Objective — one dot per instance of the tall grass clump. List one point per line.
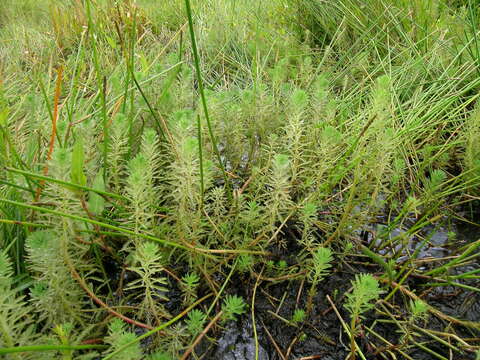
(170, 171)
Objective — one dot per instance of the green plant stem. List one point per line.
(200, 155)
(345, 326)
(150, 108)
(157, 329)
(311, 294)
(217, 297)
(24, 223)
(205, 252)
(254, 324)
(37, 348)
(101, 84)
(94, 222)
(453, 262)
(202, 334)
(65, 183)
(202, 92)
(353, 350)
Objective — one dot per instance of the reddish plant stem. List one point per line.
(200, 337)
(94, 297)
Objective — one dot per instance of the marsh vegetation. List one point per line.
(222, 179)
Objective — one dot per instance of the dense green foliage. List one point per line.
(118, 191)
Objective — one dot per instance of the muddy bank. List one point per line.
(321, 335)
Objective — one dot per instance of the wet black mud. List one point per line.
(321, 335)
